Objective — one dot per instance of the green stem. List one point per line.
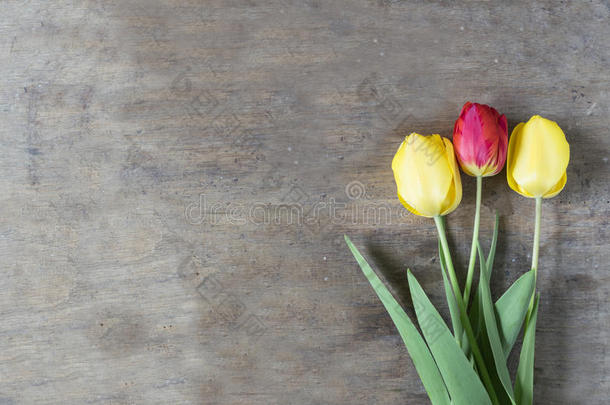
(535, 250)
(463, 315)
(475, 238)
(537, 235)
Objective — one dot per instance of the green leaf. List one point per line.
(491, 328)
(492, 249)
(420, 355)
(462, 382)
(475, 312)
(454, 311)
(524, 382)
(511, 309)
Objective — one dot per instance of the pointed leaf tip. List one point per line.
(418, 350)
(463, 384)
(492, 329)
(524, 381)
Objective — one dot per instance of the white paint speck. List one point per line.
(375, 40)
(325, 278)
(296, 162)
(289, 149)
(324, 258)
(513, 260)
(462, 28)
(495, 61)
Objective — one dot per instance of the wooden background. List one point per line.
(176, 178)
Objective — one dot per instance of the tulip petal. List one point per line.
(558, 187)
(454, 197)
(541, 156)
(423, 177)
(407, 206)
(502, 143)
(513, 145)
(480, 137)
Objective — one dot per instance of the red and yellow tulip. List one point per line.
(480, 137)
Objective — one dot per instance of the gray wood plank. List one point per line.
(176, 178)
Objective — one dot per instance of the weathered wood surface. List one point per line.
(176, 178)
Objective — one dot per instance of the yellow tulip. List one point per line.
(538, 156)
(427, 176)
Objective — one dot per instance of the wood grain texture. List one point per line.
(176, 178)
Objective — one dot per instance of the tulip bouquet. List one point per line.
(467, 364)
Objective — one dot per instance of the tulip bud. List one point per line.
(538, 156)
(427, 176)
(480, 136)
